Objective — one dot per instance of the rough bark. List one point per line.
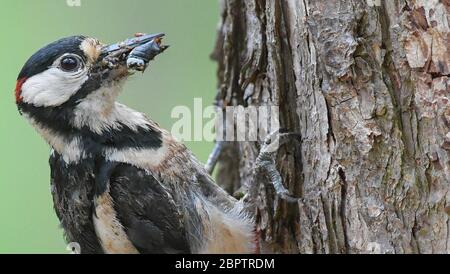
(366, 84)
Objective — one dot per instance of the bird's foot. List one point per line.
(214, 157)
(265, 161)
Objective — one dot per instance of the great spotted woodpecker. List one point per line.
(120, 183)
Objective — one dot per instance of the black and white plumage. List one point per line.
(120, 183)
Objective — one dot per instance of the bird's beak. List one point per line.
(135, 52)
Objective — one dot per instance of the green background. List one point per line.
(28, 223)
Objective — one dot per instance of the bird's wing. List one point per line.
(147, 211)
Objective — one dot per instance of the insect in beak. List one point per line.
(135, 52)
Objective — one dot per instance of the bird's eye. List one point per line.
(69, 63)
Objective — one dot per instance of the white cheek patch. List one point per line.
(52, 87)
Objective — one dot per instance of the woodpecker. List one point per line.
(120, 183)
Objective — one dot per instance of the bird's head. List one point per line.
(68, 70)
(71, 85)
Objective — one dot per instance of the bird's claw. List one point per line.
(266, 162)
(214, 157)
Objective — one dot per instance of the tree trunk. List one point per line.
(366, 84)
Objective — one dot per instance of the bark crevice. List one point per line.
(367, 87)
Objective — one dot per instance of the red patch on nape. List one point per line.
(19, 85)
